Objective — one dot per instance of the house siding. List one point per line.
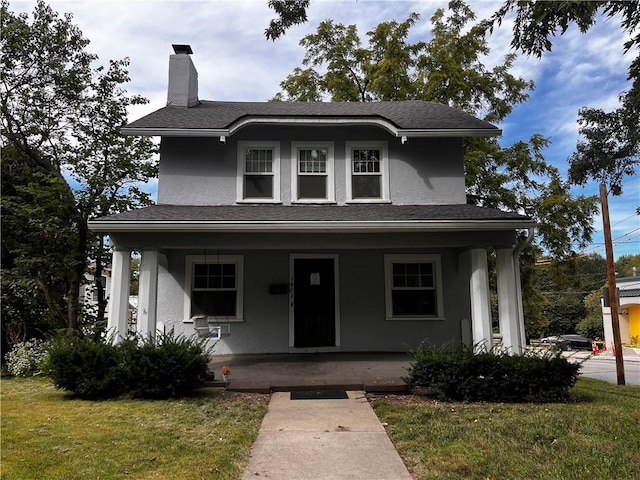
(361, 310)
(202, 171)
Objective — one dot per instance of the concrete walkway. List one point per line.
(324, 440)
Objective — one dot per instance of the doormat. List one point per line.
(320, 395)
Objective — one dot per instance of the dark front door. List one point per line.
(314, 306)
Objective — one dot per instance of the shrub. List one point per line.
(495, 375)
(27, 358)
(591, 327)
(88, 368)
(169, 366)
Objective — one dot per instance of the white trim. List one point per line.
(275, 174)
(376, 121)
(336, 269)
(191, 260)
(384, 170)
(389, 260)
(309, 226)
(328, 146)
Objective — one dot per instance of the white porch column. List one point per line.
(480, 300)
(508, 304)
(148, 294)
(118, 319)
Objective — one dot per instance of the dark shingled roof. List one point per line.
(313, 213)
(629, 292)
(405, 115)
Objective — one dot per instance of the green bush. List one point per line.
(496, 376)
(87, 368)
(591, 327)
(26, 359)
(168, 366)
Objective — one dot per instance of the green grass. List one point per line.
(47, 435)
(595, 435)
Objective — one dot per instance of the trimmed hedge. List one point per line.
(168, 366)
(495, 376)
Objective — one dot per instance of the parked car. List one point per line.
(576, 342)
(568, 342)
(550, 340)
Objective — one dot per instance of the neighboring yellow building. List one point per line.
(628, 311)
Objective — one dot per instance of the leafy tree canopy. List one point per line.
(449, 69)
(61, 120)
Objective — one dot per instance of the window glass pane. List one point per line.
(366, 186)
(312, 186)
(258, 186)
(220, 303)
(414, 302)
(258, 161)
(414, 275)
(366, 161)
(214, 276)
(312, 161)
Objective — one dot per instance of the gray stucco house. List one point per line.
(311, 227)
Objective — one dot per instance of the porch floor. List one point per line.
(372, 372)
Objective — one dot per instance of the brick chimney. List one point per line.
(183, 78)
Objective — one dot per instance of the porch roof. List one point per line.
(328, 218)
(414, 118)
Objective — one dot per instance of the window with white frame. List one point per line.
(367, 171)
(312, 172)
(413, 287)
(258, 172)
(214, 287)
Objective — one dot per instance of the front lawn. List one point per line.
(595, 435)
(47, 435)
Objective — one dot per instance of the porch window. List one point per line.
(413, 287)
(367, 172)
(214, 287)
(258, 172)
(312, 172)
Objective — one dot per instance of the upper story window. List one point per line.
(367, 172)
(312, 172)
(258, 172)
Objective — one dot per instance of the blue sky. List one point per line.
(236, 62)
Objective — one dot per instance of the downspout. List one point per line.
(517, 250)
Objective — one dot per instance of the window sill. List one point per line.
(368, 200)
(255, 200)
(411, 319)
(314, 202)
(215, 320)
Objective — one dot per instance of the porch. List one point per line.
(371, 372)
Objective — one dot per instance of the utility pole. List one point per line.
(611, 280)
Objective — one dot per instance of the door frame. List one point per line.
(292, 258)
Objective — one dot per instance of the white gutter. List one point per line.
(310, 121)
(305, 226)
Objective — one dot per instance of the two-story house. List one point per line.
(314, 227)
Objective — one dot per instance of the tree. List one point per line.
(612, 148)
(625, 264)
(61, 117)
(449, 69)
(290, 13)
